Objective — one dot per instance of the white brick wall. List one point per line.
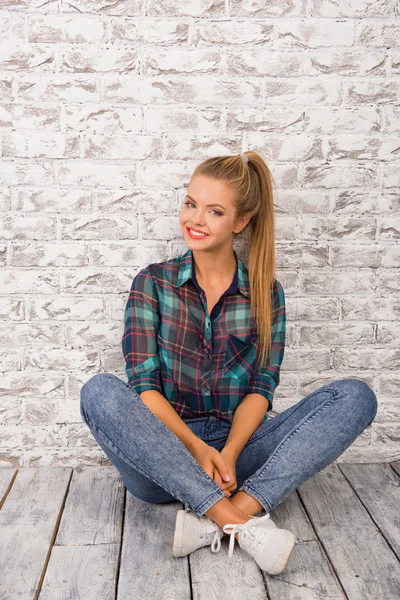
(107, 107)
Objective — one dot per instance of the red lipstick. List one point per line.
(196, 237)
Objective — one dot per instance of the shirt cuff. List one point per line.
(265, 386)
(141, 382)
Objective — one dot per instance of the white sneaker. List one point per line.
(269, 546)
(192, 532)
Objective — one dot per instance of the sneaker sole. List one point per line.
(178, 535)
(284, 557)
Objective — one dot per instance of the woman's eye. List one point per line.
(216, 211)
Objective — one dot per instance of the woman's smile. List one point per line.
(196, 236)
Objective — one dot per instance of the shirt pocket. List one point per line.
(240, 355)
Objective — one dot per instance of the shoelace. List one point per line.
(232, 529)
(216, 543)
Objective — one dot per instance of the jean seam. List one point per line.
(298, 405)
(217, 494)
(127, 459)
(257, 496)
(306, 419)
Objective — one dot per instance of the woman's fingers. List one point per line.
(221, 466)
(218, 480)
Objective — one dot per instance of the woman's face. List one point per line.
(208, 207)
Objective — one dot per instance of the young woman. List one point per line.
(203, 342)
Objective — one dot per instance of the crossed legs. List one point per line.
(234, 510)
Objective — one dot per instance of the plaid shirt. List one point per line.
(203, 364)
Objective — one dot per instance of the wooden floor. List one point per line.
(77, 533)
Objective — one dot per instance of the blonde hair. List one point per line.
(252, 186)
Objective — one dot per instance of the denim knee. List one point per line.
(363, 398)
(91, 392)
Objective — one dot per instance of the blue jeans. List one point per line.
(286, 450)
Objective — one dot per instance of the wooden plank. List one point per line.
(365, 564)
(148, 568)
(84, 559)
(94, 508)
(81, 572)
(28, 522)
(7, 478)
(378, 488)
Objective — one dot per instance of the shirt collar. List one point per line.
(240, 281)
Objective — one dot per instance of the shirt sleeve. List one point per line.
(265, 379)
(139, 341)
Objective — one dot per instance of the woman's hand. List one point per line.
(230, 464)
(217, 465)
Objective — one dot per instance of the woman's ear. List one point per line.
(241, 224)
